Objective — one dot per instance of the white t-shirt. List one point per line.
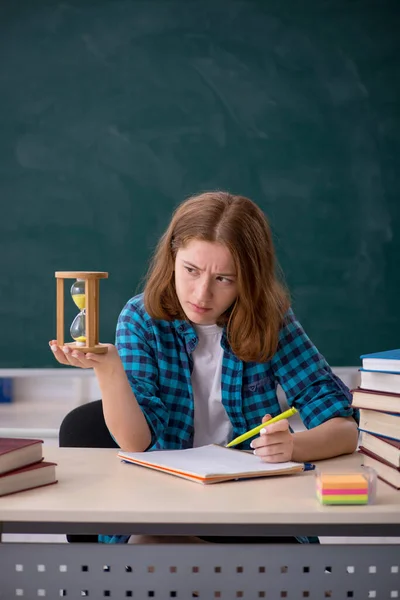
(211, 422)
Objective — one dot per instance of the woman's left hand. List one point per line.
(275, 443)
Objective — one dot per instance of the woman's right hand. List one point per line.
(73, 357)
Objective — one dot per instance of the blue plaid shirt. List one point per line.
(157, 359)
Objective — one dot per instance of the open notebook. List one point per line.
(209, 464)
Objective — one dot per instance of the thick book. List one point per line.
(385, 448)
(27, 478)
(384, 470)
(380, 381)
(376, 400)
(18, 452)
(389, 360)
(381, 423)
(209, 464)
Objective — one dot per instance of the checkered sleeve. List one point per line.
(133, 342)
(306, 378)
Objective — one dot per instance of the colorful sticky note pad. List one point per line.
(342, 488)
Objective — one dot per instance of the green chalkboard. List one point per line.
(113, 111)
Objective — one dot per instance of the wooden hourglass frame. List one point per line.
(92, 280)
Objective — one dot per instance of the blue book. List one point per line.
(380, 381)
(380, 423)
(389, 360)
(6, 389)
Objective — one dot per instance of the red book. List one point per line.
(384, 401)
(384, 470)
(27, 478)
(17, 452)
(385, 448)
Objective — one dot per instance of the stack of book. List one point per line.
(378, 399)
(22, 466)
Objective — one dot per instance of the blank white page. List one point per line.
(207, 461)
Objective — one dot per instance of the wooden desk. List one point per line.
(97, 493)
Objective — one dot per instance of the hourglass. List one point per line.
(85, 294)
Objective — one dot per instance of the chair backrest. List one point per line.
(85, 427)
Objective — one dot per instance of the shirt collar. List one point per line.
(187, 332)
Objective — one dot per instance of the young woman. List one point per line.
(200, 353)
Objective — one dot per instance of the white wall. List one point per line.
(80, 385)
(42, 398)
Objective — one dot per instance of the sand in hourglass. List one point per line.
(78, 327)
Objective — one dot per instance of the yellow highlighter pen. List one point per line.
(253, 432)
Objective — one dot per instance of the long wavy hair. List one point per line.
(254, 320)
